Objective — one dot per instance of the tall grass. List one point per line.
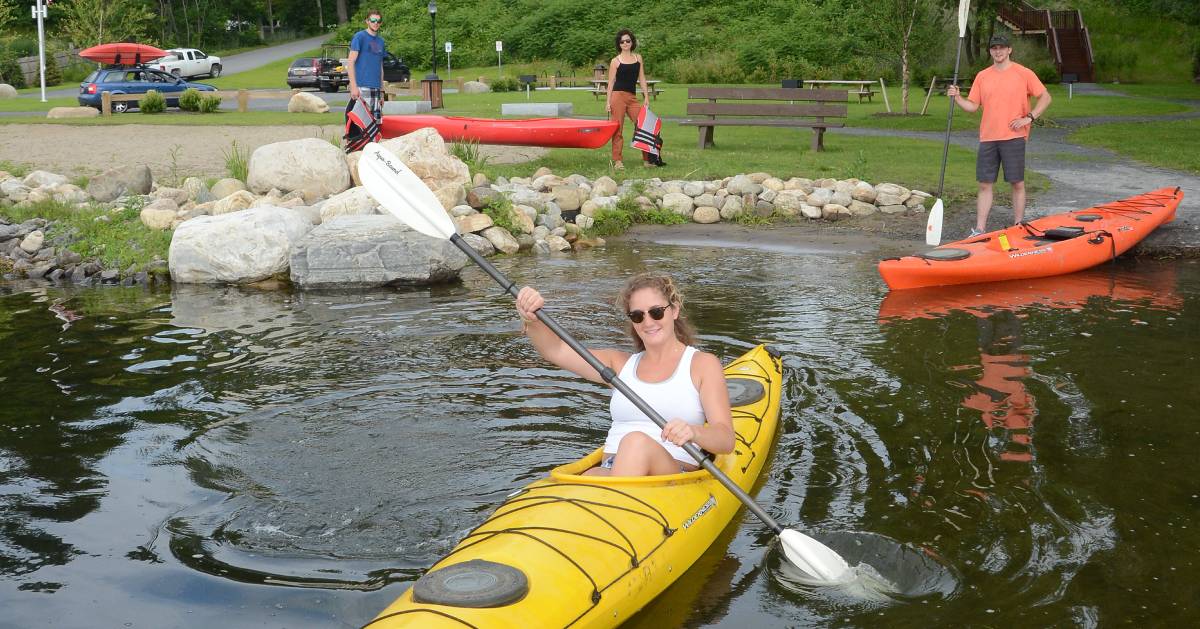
(237, 161)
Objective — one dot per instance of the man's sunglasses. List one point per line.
(375, 20)
(656, 313)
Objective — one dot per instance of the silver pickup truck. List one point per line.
(189, 62)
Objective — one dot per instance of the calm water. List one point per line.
(225, 457)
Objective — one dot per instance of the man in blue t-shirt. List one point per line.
(366, 70)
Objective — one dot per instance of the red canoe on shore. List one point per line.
(122, 53)
(1051, 245)
(548, 132)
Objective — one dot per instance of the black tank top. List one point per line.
(627, 76)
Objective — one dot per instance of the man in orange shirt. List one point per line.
(1003, 91)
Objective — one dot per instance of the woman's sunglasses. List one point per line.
(656, 313)
(626, 41)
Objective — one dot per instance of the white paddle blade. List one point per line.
(817, 561)
(964, 9)
(933, 228)
(402, 193)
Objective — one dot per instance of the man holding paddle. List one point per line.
(365, 67)
(1003, 91)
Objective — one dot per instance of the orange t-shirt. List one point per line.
(1004, 96)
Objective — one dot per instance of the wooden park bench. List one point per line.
(786, 107)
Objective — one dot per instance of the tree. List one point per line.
(903, 32)
(92, 22)
(342, 14)
(7, 13)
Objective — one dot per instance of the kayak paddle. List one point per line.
(933, 228)
(406, 197)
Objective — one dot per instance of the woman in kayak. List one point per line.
(671, 375)
(625, 72)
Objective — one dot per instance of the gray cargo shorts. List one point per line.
(1010, 153)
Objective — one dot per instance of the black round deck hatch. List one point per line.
(945, 253)
(743, 391)
(1087, 218)
(474, 583)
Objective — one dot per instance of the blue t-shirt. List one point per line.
(368, 67)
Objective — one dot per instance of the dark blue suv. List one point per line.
(134, 80)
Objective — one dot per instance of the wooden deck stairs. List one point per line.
(1065, 35)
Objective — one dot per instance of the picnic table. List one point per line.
(859, 88)
(600, 88)
(939, 85)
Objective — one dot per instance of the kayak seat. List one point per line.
(1062, 233)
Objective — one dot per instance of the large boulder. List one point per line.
(237, 248)
(72, 112)
(366, 251)
(353, 202)
(120, 181)
(40, 178)
(475, 87)
(7, 91)
(425, 153)
(311, 165)
(307, 103)
(226, 187)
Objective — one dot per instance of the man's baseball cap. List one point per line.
(1000, 40)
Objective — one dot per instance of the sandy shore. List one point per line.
(169, 150)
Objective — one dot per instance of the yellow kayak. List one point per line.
(586, 551)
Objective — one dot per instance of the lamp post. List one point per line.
(433, 28)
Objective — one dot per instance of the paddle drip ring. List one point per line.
(945, 253)
(743, 391)
(474, 583)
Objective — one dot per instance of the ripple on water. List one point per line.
(886, 572)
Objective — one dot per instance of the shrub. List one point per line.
(610, 222)
(1046, 73)
(503, 215)
(153, 103)
(23, 46)
(209, 103)
(53, 72)
(190, 100)
(10, 72)
(505, 84)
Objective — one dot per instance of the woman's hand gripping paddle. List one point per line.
(406, 197)
(933, 228)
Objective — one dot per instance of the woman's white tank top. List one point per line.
(674, 397)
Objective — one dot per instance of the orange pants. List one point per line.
(622, 104)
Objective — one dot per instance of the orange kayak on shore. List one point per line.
(548, 132)
(1051, 245)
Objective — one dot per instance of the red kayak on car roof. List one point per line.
(1051, 245)
(122, 53)
(548, 132)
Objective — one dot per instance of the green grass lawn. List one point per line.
(1167, 144)
(1169, 91)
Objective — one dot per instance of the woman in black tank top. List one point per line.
(625, 72)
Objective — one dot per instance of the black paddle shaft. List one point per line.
(611, 378)
(949, 121)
